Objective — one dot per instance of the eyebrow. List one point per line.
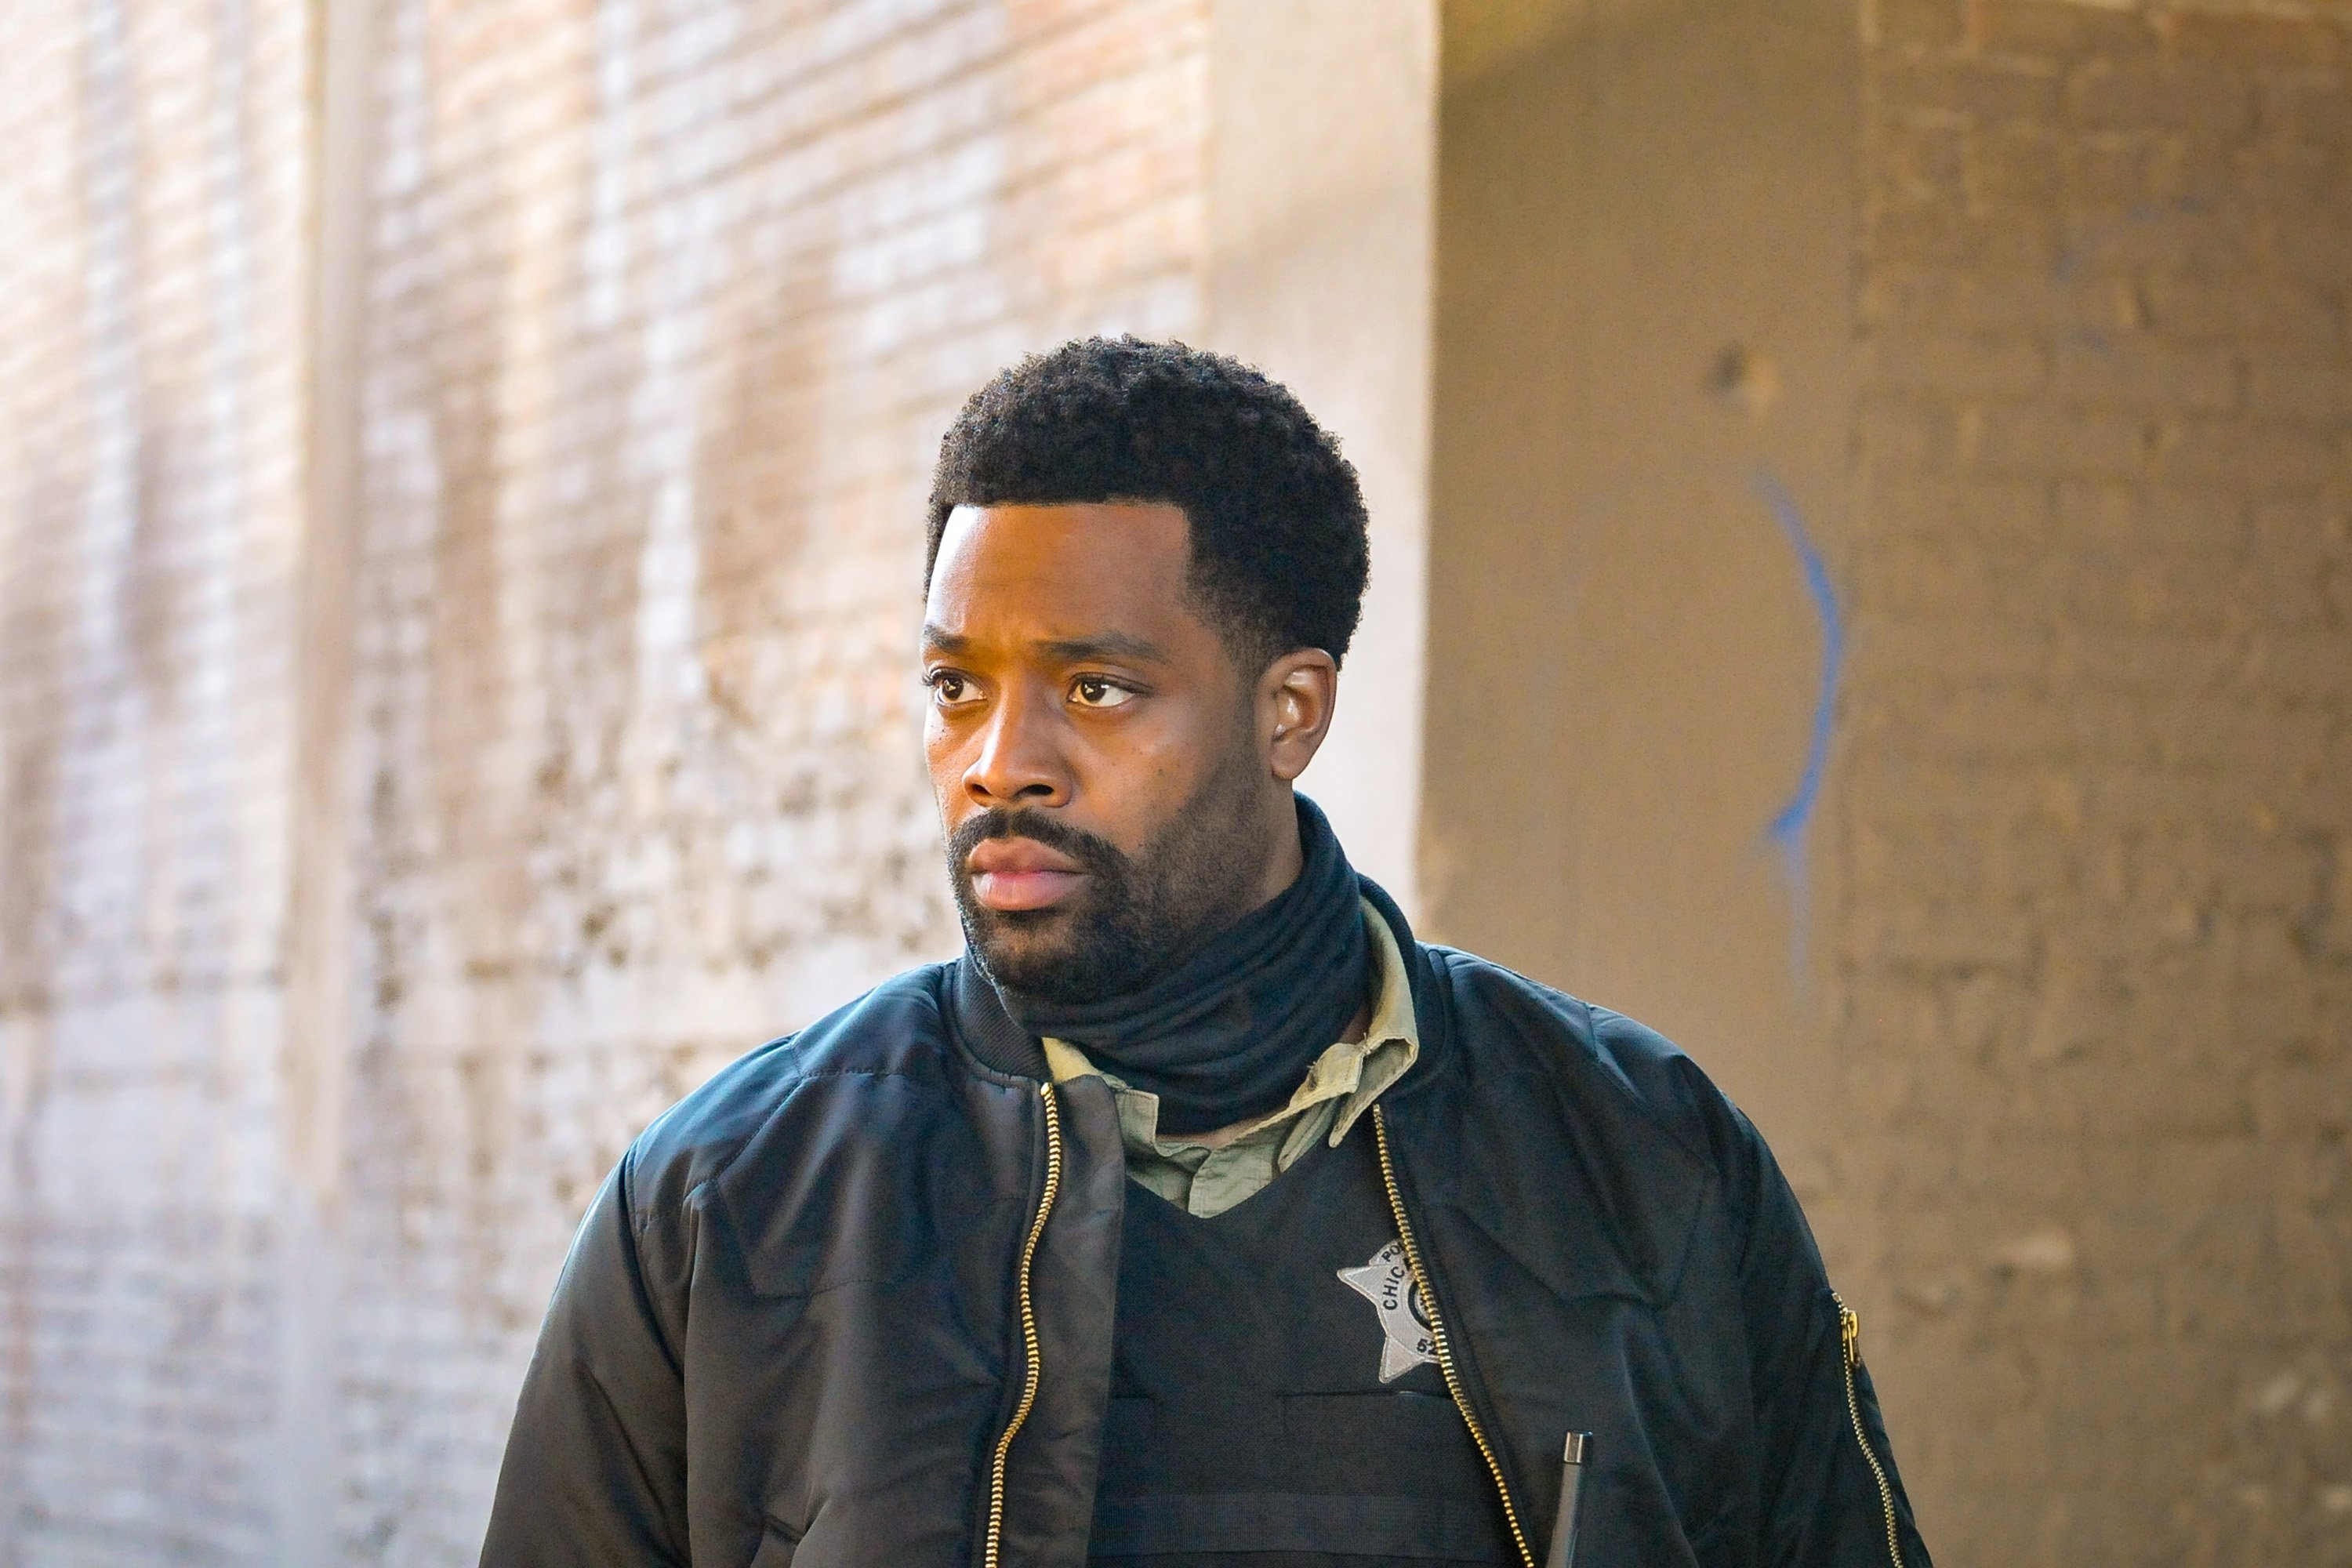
(1106, 644)
(1069, 650)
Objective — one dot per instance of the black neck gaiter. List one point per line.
(1229, 1032)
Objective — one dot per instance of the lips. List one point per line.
(1012, 874)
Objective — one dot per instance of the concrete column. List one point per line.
(1643, 386)
(1321, 208)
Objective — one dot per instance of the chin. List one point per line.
(1017, 944)
(1052, 956)
(1039, 968)
(1077, 952)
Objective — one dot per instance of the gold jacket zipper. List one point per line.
(1850, 1335)
(1036, 1364)
(1444, 1347)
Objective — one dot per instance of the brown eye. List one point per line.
(1099, 692)
(949, 688)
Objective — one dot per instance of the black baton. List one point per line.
(1572, 1492)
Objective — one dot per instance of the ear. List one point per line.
(1296, 697)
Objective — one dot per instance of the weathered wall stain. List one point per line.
(648, 434)
(150, 210)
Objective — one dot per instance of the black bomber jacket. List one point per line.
(850, 1302)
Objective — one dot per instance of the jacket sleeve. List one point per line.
(1826, 1497)
(595, 1463)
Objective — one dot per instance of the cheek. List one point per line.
(944, 749)
(1141, 776)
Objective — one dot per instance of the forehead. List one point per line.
(1062, 571)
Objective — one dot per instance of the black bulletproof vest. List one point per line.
(1262, 1403)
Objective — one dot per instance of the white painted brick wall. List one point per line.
(664, 309)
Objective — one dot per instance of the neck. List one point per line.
(1285, 856)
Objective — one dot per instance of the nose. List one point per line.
(1019, 760)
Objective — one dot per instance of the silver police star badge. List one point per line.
(1388, 1284)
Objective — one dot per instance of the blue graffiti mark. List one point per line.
(1786, 830)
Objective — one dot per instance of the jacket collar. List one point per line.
(985, 1028)
(1608, 1207)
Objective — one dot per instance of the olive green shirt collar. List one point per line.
(1339, 1087)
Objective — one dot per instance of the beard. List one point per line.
(1135, 915)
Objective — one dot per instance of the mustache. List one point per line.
(1095, 854)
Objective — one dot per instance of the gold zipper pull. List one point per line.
(1850, 1331)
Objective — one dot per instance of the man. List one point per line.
(1197, 1215)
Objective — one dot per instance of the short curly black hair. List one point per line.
(1279, 544)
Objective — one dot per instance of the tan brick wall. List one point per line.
(2057, 1044)
(2097, 831)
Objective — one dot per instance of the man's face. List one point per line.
(1096, 752)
